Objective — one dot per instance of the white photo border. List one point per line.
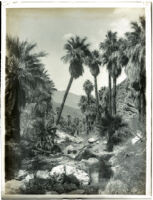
(83, 4)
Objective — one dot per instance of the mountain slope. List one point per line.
(72, 99)
(67, 110)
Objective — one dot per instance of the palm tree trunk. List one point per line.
(87, 125)
(114, 96)
(96, 92)
(110, 93)
(88, 99)
(12, 139)
(64, 99)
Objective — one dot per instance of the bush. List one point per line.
(130, 166)
(12, 159)
(121, 135)
(116, 187)
(41, 186)
(108, 126)
(34, 186)
(90, 189)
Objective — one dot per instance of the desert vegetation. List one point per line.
(102, 151)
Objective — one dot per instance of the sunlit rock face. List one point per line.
(58, 173)
(125, 104)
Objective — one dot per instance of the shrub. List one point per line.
(90, 189)
(130, 166)
(116, 187)
(121, 135)
(34, 186)
(108, 126)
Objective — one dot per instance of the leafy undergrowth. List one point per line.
(128, 164)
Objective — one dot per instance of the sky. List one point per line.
(50, 28)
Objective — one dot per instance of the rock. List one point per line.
(92, 161)
(13, 186)
(85, 154)
(60, 171)
(62, 137)
(69, 149)
(43, 174)
(139, 136)
(22, 174)
(92, 140)
(28, 177)
(135, 139)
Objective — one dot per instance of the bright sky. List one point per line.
(50, 28)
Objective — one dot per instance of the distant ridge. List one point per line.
(67, 110)
(72, 99)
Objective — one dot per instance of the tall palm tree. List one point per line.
(76, 50)
(108, 47)
(136, 69)
(23, 73)
(88, 108)
(94, 62)
(83, 103)
(88, 88)
(115, 72)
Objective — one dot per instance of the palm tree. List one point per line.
(108, 47)
(94, 62)
(115, 72)
(76, 50)
(88, 88)
(87, 103)
(104, 100)
(118, 60)
(136, 69)
(83, 103)
(23, 73)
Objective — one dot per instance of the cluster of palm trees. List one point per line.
(88, 106)
(114, 53)
(27, 82)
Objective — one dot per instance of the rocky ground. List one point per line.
(83, 167)
(82, 156)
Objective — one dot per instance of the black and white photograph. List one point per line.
(76, 101)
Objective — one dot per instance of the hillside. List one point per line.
(72, 100)
(74, 112)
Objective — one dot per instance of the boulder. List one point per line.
(85, 154)
(13, 186)
(69, 149)
(92, 140)
(60, 171)
(92, 161)
(62, 137)
(22, 174)
(28, 177)
(135, 139)
(43, 174)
